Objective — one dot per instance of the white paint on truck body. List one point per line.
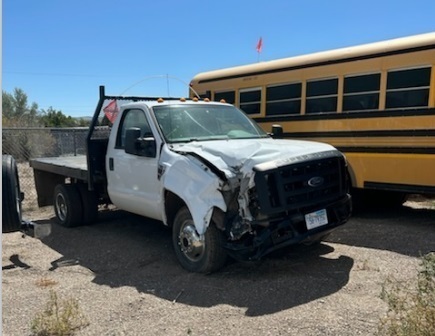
(194, 183)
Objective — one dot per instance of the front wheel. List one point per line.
(197, 253)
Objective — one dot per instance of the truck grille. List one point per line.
(311, 180)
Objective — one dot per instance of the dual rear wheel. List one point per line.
(75, 205)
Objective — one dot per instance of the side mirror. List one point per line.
(148, 147)
(277, 131)
(131, 140)
(136, 145)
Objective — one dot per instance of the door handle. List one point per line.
(111, 164)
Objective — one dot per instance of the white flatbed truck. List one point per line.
(224, 186)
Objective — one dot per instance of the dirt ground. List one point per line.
(124, 274)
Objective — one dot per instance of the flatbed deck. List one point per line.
(70, 166)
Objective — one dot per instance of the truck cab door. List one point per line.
(132, 166)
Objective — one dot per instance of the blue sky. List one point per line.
(59, 52)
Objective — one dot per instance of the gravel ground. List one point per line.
(124, 274)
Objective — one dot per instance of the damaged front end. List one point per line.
(285, 202)
(262, 205)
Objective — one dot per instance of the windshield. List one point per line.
(194, 122)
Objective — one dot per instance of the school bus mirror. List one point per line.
(277, 131)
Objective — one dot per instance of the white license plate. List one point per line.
(316, 219)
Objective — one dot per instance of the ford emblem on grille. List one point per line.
(316, 181)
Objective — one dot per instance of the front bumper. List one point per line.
(290, 230)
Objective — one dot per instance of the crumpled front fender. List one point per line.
(197, 186)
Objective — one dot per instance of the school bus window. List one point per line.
(408, 88)
(322, 96)
(228, 96)
(283, 99)
(361, 92)
(250, 100)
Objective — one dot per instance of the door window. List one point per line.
(132, 118)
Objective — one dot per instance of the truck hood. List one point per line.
(240, 156)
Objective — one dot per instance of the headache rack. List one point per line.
(305, 181)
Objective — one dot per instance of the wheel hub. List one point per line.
(61, 207)
(191, 243)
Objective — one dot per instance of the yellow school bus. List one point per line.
(374, 102)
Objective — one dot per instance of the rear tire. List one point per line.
(89, 204)
(11, 195)
(363, 199)
(198, 254)
(68, 205)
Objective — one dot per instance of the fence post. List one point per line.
(75, 142)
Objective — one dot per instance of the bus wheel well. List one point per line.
(173, 203)
(351, 177)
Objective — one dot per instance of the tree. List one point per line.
(7, 105)
(16, 111)
(54, 118)
(83, 122)
(23, 143)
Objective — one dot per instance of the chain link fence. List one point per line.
(29, 143)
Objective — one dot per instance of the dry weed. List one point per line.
(45, 282)
(59, 318)
(411, 308)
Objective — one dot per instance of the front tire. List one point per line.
(68, 205)
(196, 253)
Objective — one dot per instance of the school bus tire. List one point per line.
(389, 199)
(363, 199)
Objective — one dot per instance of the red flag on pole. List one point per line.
(111, 111)
(260, 45)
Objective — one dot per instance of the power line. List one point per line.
(60, 74)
